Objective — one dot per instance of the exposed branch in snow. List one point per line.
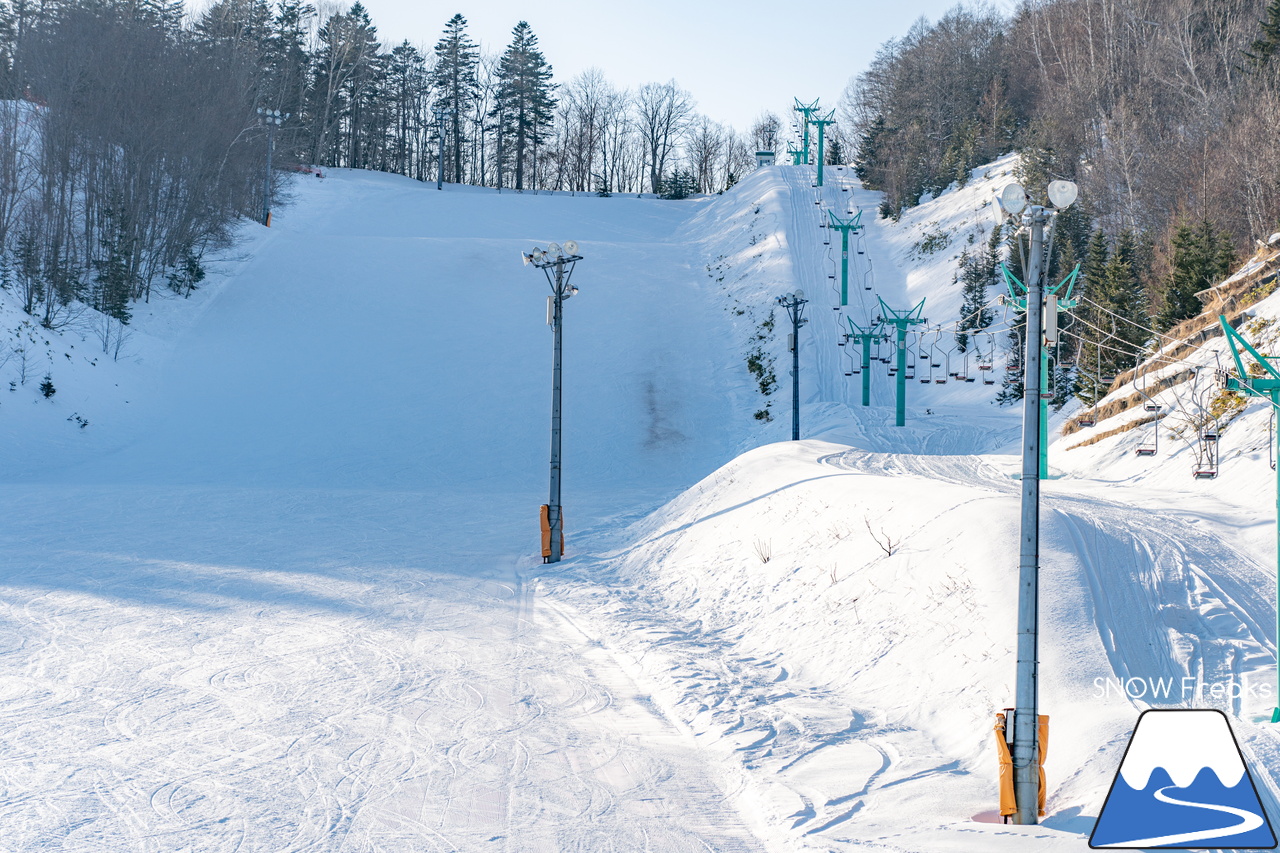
(886, 542)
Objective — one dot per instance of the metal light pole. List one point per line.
(441, 113)
(271, 120)
(794, 303)
(557, 263)
(1053, 306)
(1026, 747)
(1026, 722)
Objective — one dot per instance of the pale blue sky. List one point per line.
(737, 59)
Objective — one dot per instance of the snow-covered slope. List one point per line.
(281, 592)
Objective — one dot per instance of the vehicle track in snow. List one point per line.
(1168, 599)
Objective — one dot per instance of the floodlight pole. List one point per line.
(845, 226)
(822, 123)
(902, 320)
(441, 112)
(1266, 386)
(1026, 746)
(1017, 294)
(865, 337)
(271, 119)
(560, 290)
(794, 303)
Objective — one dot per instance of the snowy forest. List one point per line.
(1165, 112)
(131, 143)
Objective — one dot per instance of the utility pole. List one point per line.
(1053, 306)
(1026, 722)
(829, 118)
(561, 260)
(845, 226)
(901, 320)
(864, 337)
(806, 111)
(1266, 386)
(271, 119)
(441, 113)
(794, 303)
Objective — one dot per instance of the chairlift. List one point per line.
(1145, 449)
(1088, 420)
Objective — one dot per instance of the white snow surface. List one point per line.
(283, 593)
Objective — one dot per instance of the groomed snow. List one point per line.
(282, 592)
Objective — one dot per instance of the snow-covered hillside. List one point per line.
(281, 592)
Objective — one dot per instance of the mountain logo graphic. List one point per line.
(1183, 784)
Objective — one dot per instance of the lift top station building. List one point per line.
(764, 158)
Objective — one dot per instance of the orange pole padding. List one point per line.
(545, 513)
(1008, 805)
(1044, 748)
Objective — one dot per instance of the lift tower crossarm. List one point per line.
(821, 123)
(845, 226)
(864, 337)
(806, 112)
(902, 320)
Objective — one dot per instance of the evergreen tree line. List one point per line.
(130, 140)
(1165, 114)
(501, 119)
(123, 155)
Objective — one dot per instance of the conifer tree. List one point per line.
(454, 80)
(288, 65)
(978, 271)
(525, 97)
(1202, 257)
(867, 159)
(1264, 48)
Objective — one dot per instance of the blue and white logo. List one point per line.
(1183, 783)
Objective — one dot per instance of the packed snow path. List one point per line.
(281, 599)
(281, 594)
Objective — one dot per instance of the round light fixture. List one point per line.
(1013, 199)
(553, 250)
(571, 247)
(1062, 194)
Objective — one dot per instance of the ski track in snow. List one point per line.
(249, 632)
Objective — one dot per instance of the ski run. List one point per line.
(281, 589)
